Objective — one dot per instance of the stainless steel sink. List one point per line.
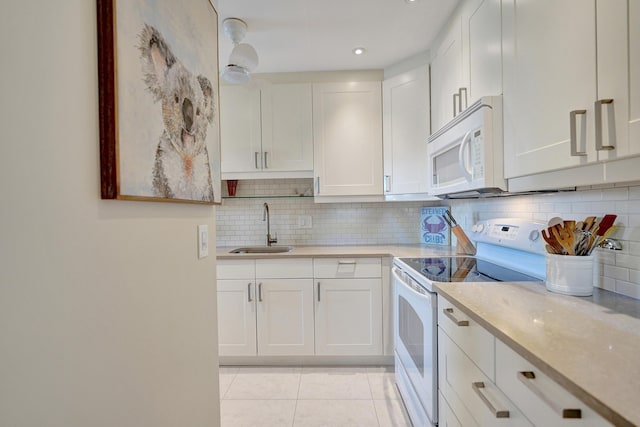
(261, 250)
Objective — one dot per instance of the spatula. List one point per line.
(604, 225)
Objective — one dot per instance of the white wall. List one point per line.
(107, 317)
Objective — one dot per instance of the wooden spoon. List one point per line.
(565, 237)
(552, 242)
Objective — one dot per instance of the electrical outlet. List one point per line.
(203, 241)
(304, 221)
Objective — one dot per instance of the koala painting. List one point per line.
(182, 169)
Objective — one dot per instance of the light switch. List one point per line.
(203, 241)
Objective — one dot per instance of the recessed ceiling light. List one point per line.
(358, 51)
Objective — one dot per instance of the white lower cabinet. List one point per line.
(285, 317)
(348, 306)
(473, 397)
(349, 317)
(541, 399)
(300, 307)
(259, 314)
(483, 382)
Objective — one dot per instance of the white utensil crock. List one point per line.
(570, 275)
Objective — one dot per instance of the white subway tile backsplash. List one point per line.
(239, 220)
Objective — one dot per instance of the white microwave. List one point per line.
(466, 155)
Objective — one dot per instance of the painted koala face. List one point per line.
(187, 99)
(186, 109)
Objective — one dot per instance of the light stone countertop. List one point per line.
(589, 345)
(344, 251)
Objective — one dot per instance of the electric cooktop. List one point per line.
(464, 269)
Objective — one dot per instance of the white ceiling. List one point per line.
(319, 35)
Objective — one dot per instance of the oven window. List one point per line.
(411, 331)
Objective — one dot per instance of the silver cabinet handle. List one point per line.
(598, 116)
(318, 291)
(460, 91)
(347, 262)
(456, 104)
(317, 185)
(477, 387)
(527, 377)
(266, 164)
(255, 159)
(260, 292)
(574, 133)
(249, 292)
(387, 183)
(449, 313)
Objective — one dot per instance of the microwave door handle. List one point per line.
(461, 163)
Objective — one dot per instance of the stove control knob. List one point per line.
(534, 235)
(480, 227)
(474, 228)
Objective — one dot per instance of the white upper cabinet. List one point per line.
(287, 136)
(468, 60)
(446, 76)
(549, 84)
(405, 106)
(240, 130)
(571, 94)
(266, 133)
(617, 111)
(347, 136)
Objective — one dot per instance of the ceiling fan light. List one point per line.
(235, 74)
(244, 55)
(235, 29)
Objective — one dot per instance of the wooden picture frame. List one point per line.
(159, 100)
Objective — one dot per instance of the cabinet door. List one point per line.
(619, 78)
(347, 130)
(285, 317)
(287, 134)
(348, 317)
(484, 46)
(446, 75)
(405, 101)
(549, 71)
(240, 138)
(236, 318)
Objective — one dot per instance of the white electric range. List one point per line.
(508, 249)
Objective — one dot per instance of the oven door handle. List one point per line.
(426, 296)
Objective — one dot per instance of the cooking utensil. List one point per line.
(552, 243)
(464, 245)
(565, 237)
(605, 224)
(555, 221)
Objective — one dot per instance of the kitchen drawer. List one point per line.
(446, 417)
(540, 398)
(347, 267)
(293, 268)
(472, 338)
(472, 396)
(236, 269)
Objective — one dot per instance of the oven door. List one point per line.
(416, 347)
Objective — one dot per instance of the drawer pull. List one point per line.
(349, 262)
(527, 377)
(449, 313)
(477, 387)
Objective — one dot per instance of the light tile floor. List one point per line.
(310, 396)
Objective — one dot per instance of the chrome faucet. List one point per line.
(265, 217)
